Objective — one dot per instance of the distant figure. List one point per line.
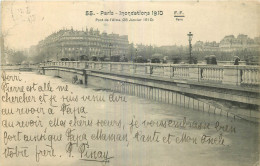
(75, 79)
(236, 61)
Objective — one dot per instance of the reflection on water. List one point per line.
(236, 141)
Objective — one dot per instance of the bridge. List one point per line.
(170, 83)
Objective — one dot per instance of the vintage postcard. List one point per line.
(142, 83)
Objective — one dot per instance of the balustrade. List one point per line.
(211, 73)
(235, 75)
(249, 76)
(180, 72)
(157, 70)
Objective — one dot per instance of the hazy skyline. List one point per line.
(26, 23)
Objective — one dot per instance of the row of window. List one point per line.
(96, 39)
(96, 44)
(106, 52)
(91, 49)
(90, 43)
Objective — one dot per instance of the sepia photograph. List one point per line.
(120, 83)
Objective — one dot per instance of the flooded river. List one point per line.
(97, 127)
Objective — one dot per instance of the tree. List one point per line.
(115, 58)
(176, 60)
(17, 57)
(4, 49)
(123, 59)
(156, 58)
(39, 58)
(140, 59)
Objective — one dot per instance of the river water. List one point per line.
(235, 143)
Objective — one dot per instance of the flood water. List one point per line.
(237, 143)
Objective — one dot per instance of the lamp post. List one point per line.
(110, 45)
(135, 54)
(190, 35)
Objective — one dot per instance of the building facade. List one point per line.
(73, 44)
(207, 46)
(229, 43)
(241, 42)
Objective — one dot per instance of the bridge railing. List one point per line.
(249, 75)
(211, 73)
(229, 74)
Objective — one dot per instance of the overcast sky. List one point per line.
(26, 23)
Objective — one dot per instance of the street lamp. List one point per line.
(135, 54)
(110, 45)
(190, 35)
